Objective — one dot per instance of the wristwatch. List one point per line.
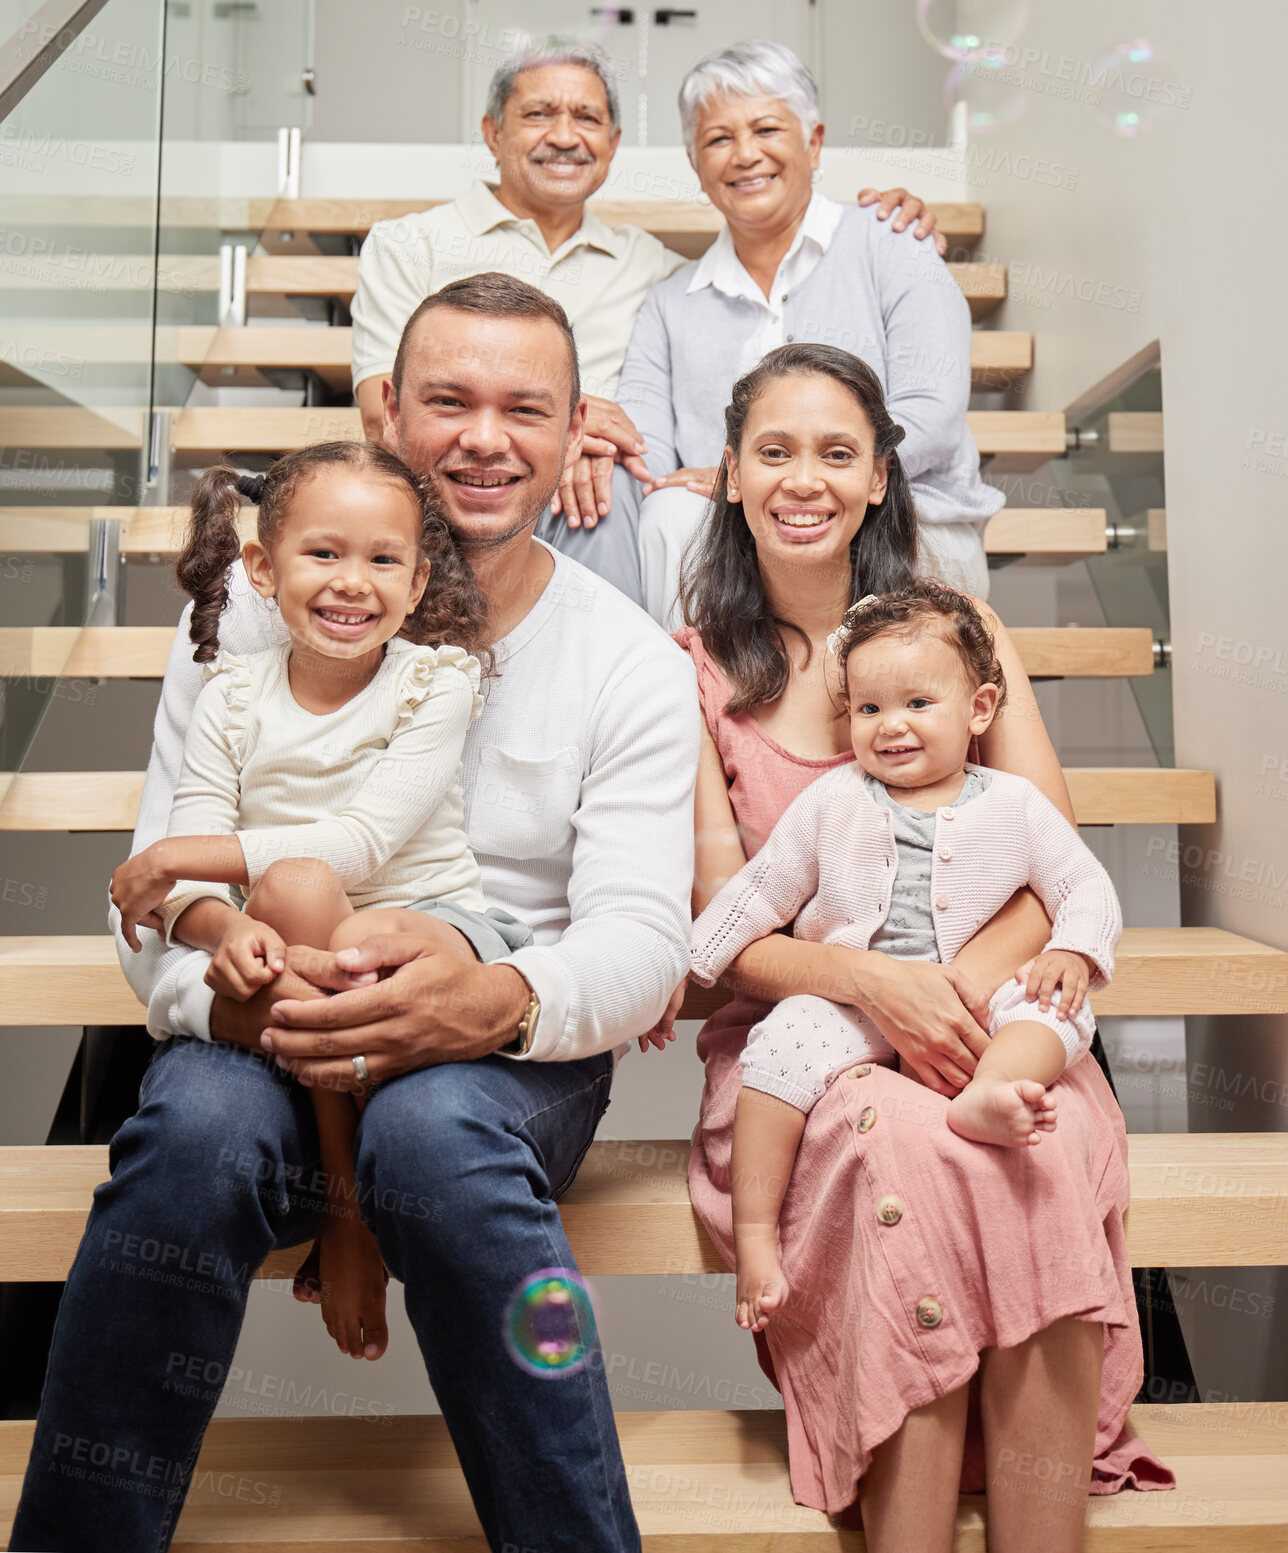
(521, 1045)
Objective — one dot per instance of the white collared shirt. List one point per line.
(721, 267)
(599, 276)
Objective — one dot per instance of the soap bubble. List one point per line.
(987, 86)
(1136, 88)
(549, 1323)
(964, 29)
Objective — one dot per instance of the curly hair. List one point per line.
(721, 591)
(452, 609)
(908, 608)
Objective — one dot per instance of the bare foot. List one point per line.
(353, 1288)
(307, 1287)
(762, 1289)
(1009, 1112)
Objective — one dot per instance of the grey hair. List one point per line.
(756, 68)
(552, 51)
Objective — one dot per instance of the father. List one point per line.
(553, 125)
(579, 782)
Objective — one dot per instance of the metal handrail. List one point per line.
(38, 44)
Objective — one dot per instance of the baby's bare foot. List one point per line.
(1009, 1112)
(353, 1289)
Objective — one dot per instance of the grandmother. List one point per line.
(793, 266)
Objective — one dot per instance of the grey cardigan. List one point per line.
(878, 293)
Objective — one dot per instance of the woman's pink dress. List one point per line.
(989, 1245)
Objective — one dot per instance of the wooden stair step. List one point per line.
(1044, 535)
(76, 980)
(333, 276)
(1198, 1199)
(959, 223)
(1018, 440)
(998, 357)
(1158, 971)
(109, 800)
(140, 652)
(1047, 536)
(1135, 431)
(697, 1479)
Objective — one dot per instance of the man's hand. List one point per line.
(309, 973)
(932, 1016)
(433, 1008)
(703, 481)
(1062, 968)
(585, 491)
(249, 956)
(907, 208)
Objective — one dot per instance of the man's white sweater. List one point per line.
(578, 780)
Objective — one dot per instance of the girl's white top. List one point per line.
(373, 788)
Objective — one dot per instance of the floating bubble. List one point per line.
(964, 29)
(988, 88)
(549, 1323)
(1136, 88)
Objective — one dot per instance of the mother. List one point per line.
(791, 265)
(1003, 1279)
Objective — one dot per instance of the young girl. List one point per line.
(320, 797)
(908, 850)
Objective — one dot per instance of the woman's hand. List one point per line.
(703, 481)
(249, 956)
(664, 1030)
(138, 887)
(933, 1015)
(1062, 968)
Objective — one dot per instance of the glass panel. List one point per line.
(235, 80)
(79, 163)
(1125, 463)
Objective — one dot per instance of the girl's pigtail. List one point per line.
(212, 548)
(454, 608)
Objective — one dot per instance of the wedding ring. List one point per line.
(360, 1068)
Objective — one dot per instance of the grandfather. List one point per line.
(553, 125)
(579, 779)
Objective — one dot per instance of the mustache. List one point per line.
(577, 158)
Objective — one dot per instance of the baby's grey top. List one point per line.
(908, 932)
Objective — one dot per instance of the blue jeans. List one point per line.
(457, 1167)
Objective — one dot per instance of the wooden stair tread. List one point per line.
(1207, 1199)
(1047, 534)
(697, 1479)
(109, 800)
(959, 222)
(1027, 438)
(1135, 431)
(330, 275)
(76, 980)
(140, 652)
(1017, 440)
(998, 357)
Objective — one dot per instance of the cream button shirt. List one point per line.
(600, 277)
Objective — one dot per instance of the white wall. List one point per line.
(1178, 235)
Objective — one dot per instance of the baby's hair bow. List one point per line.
(838, 637)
